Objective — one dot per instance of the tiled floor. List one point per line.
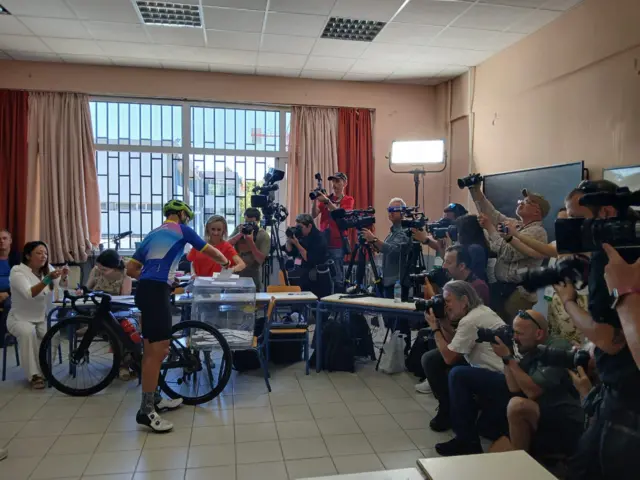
(312, 425)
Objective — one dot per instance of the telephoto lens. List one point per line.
(488, 335)
(435, 303)
(556, 357)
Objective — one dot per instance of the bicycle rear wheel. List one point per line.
(88, 353)
(199, 363)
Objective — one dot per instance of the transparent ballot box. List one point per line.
(229, 305)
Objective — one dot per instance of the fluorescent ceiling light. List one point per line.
(418, 152)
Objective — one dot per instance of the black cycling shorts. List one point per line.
(153, 301)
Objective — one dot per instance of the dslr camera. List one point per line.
(437, 275)
(503, 332)
(435, 303)
(574, 269)
(296, 231)
(357, 219)
(556, 357)
(249, 228)
(319, 189)
(470, 180)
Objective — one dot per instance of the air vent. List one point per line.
(169, 14)
(349, 29)
(4, 11)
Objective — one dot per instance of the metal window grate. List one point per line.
(169, 14)
(340, 28)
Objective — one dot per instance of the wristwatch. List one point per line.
(619, 294)
(507, 359)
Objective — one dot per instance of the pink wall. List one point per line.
(401, 111)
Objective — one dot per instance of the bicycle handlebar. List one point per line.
(86, 295)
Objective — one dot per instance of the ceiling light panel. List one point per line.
(169, 14)
(340, 28)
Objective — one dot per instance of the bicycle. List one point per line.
(99, 339)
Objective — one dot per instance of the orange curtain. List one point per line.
(14, 115)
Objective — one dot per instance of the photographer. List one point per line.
(507, 297)
(253, 248)
(463, 307)
(608, 449)
(546, 417)
(452, 212)
(323, 206)
(456, 262)
(310, 245)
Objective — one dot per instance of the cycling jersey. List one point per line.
(161, 250)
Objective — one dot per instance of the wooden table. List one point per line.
(401, 474)
(486, 466)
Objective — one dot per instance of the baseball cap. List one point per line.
(338, 176)
(456, 208)
(538, 200)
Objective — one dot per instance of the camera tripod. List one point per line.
(359, 256)
(275, 248)
(414, 264)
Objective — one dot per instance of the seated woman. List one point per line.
(216, 234)
(32, 283)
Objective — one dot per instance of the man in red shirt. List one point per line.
(323, 206)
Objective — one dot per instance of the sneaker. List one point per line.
(154, 421)
(458, 447)
(441, 422)
(4, 453)
(423, 387)
(168, 404)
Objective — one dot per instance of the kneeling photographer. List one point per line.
(608, 449)
(309, 243)
(545, 418)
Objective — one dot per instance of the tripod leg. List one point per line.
(381, 352)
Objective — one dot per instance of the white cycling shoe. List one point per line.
(154, 421)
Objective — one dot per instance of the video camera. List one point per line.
(411, 217)
(437, 275)
(264, 197)
(576, 235)
(358, 219)
(296, 231)
(319, 189)
(503, 332)
(574, 269)
(435, 303)
(442, 227)
(249, 228)
(470, 180)
(556, 357)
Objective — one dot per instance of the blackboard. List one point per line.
(553, 183)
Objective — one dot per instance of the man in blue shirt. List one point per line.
(154, 264)
(8, 259)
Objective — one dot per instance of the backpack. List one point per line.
(338, 352)
(361, 334)
(245, 360)
(421, 345)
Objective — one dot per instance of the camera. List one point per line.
(437, 276)
(249, 228)
(556, 357)
(412, 218)
(503, 332)
(264, 197)
(318, 190)
(435, 303)
(470, 180)
(358, 219)
(442, 227)
(574, 269)
(296, 231)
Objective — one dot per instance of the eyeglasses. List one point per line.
(527, 316)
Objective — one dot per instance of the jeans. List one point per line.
(437, 371)
(401, 323)
(473, 389)
(337, 255)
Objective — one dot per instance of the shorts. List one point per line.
(556, 435)
(153, 301)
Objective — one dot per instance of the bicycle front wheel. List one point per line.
(199, 363)
(79, 356)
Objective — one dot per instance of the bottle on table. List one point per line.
(397, 292)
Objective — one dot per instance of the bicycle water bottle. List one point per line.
(397, 292)
(131, 330)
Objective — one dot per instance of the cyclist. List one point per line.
(154, 264)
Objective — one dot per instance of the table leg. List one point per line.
(318, 334)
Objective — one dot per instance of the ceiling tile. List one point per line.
(283, 60)
(409, 80)
(534, 21)
(407, 33)
(108, 11)
(235, 20)
(233, 57)
(176, 65)
(287, 44)
(233, 40)
(329, 63)
(561, 5)
(490, 17)
(409, 70)
(19, 43)
(391, 50)
(132, 50)
(56, 27)
(464, 38)
(381, 10)
(452, 71)
(329, 47)
(39, 8)
(429, 12)
(136, 62)
(321, 74)
(176, 35)
(10, 25)
(241, 4)
(185, 54)
(71, 46)
(222, 68)
(279, 72)
(311, 7)
(35, 57)
(516, 3)
(450, 56)
(87, 59)
(119, 32)
(380, 66)
(295, 24)
(504, 40)
(364, 77)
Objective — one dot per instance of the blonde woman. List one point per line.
(216, 235)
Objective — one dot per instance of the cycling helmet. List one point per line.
(177, 206)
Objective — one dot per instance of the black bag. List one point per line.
(245, 360)
(421, 345)
(338, 352)
(361, 334)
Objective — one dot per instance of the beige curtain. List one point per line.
(64, 201)
(313, 148)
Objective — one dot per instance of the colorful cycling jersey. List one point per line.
(161, 250)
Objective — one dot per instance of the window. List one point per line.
(211, 156)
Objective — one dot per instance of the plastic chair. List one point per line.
(8, 341)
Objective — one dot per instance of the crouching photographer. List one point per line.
(545, 418)
(307, 242)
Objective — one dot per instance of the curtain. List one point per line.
(14, 108)
(313, 148)
(355, 155)
(63, 173)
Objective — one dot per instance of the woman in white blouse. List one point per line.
(32, 283)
